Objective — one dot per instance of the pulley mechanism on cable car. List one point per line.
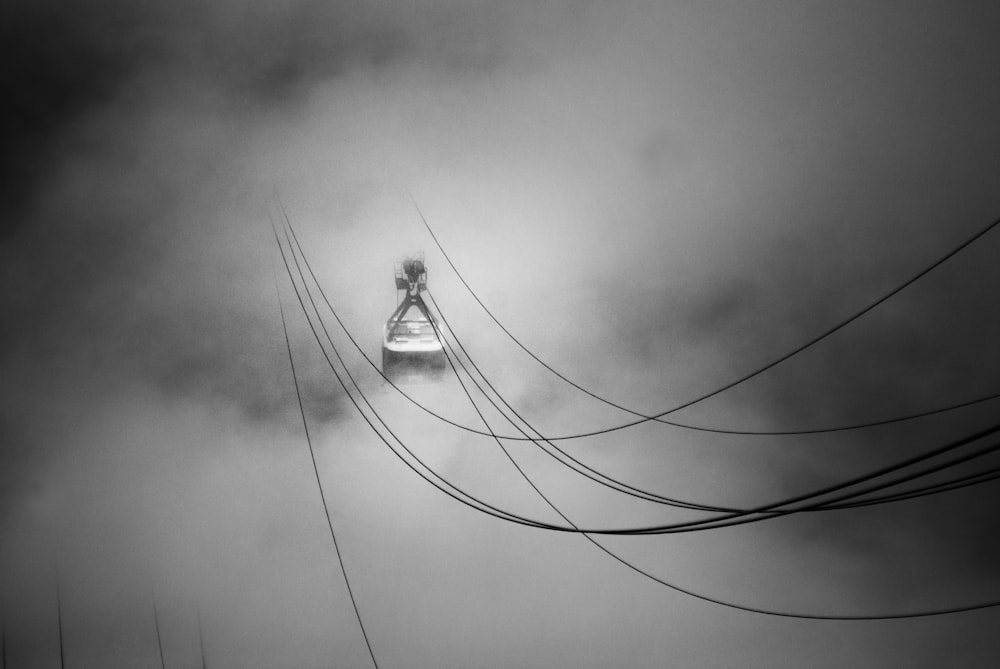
(411, 346)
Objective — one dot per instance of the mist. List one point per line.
(655, 198)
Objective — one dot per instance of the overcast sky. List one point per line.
(656, 198)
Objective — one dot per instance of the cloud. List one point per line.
(654, 199)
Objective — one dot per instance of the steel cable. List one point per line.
(465, 498)
(643, 418)
(944, 486)
(319, 484)
(740, 517)
(159, 640)
(715, 600)
(743, 517)
(642, 494)
(686, 426)
(950, 485)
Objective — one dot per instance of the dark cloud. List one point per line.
(59, 63)
(98, 271)
(64, 63)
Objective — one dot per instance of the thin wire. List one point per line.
(714, 600)
(656, 417)
(201, 640)
(475, 502)
(641, 494)
(319, 482)
(586, 471)
(747, 608)
(841, 428)
(773, 433)
(525, 437)
(736, 518)
(686, 426)
(159, 642)
(970, 480)
(479, 504)
(360, 350)
(776, 510)
(741, 517)
(62, 653)
(944, 486)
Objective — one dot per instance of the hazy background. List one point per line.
(656, 198)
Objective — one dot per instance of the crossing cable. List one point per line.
(643, 418)
(821, 430)
(697, 428)
(372, 363)
(777, 509)
(715, 600)
(584, 470)
(909, 494)
(62, 650)
(524, 436)
(967, 481)
(289, 228)
(589, 472)
(780, 613)
(319, 483)
(159, 641)
(201, 640)
(446, 487)
(742, 517)
(476, 502)
(509, 515)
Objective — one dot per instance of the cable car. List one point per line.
(411, 344)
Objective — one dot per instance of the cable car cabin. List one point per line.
(411, 345)
(411, 348)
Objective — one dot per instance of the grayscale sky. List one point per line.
(656, 198)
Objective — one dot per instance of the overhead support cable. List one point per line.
(967, 481)
(319, 484)
(444, 486)
(706, 598)
(563, 458)
(922, 613)
(745, 516)
(637, 492)
(201, 641)
(686, 426)
(524, 436)
(737, 517)
(159, 640)
(608, 481)
(657, 417)
(62, 649)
